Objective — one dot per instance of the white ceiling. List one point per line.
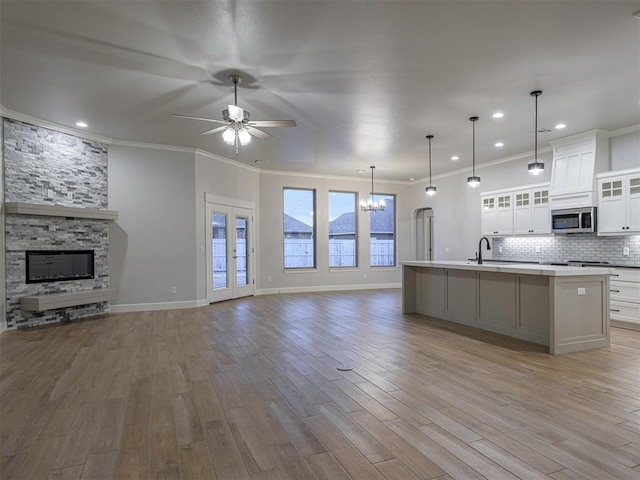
(365, 80)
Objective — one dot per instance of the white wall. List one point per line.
(153, 243)
(220, 177)
(625, 151)
(322, 278)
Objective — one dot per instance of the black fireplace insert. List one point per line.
(59, 265)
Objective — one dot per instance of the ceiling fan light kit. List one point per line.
(536, 167)
(473, 181)
(237, 129)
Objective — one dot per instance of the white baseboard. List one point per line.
(148, 307)
(325, 288)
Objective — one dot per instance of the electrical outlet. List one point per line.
(582, 291)
(174, 290)
(446, 249)
(269, 279)
(50, 193)
(70, 195)
(364, 275)
(499, 249)
(538, 249)
(625, 251)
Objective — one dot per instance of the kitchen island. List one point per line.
(565, 308)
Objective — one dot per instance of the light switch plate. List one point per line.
(625, 251)
(582, 291)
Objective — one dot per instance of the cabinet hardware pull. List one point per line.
(615, 275)
(617, 291)
(613, 310)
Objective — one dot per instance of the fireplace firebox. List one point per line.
(59, 265)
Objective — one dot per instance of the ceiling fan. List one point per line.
(236, 127)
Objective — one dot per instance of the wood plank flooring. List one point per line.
(248, 389)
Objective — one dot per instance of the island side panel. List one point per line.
(409, 288)
(533, 308)
(461, 296)
(579, 322)
(497, 302)
(431, 292)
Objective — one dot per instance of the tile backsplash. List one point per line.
(568, 247)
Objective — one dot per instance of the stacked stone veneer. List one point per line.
(48, 167)
(569, 247)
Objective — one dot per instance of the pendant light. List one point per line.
(372, 205)
(536, 167)
(473, 181)
(431, 189)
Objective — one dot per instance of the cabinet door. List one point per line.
(522, 213)
(505, 215)
(489, 216)
(541, 216)
(612, 216)
(633, 205)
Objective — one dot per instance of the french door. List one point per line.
(229, 252)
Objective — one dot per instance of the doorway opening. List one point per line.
(424, 234)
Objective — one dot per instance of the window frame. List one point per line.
(395, 231)
(314, 232)
(355, 233)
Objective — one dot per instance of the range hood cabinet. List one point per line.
(576, 162)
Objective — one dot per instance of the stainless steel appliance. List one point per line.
(574, 220)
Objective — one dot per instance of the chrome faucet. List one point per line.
(480, 249)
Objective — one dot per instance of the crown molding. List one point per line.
(21, 117)
(333, 177)
(213, 156)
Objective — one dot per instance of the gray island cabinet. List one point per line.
(564, 308)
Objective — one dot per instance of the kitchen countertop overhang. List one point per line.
(519, 268)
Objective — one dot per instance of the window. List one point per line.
(342, 229)
(299, 228)
(383, 234)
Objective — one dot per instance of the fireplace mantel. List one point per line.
(23, 208)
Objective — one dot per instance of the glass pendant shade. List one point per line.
(244, 136)
(474, 180)
(229, 136)
(431, 189)
(536, 167)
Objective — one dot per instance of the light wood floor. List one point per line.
(248, 389)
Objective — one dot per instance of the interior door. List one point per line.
(229, 252)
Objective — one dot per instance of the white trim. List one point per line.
(333, 177)
(522, 188)
(326, 288)
(625, 130)
(149, 307)
(229, 202)
(617, 173)
(579, 137)
(213, 156)
(21, 117)
(153, 146)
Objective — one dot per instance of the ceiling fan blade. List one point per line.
(258, 133)
(236, 113)
(214, 130)
(198, 118)
(273, 123)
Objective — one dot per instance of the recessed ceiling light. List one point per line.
(455, 157)
(498, 115)
(499, 144)
(560, 126)
(360, 171)
(81, 124)
(411, 179)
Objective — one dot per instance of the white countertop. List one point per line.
(521, 268)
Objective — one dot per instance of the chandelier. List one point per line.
(372, 205)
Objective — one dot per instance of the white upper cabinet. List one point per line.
(497, 214)
(531, 212)
(576, 161)
(522, 211)
(619, 202)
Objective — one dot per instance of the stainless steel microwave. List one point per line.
(574, 220)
